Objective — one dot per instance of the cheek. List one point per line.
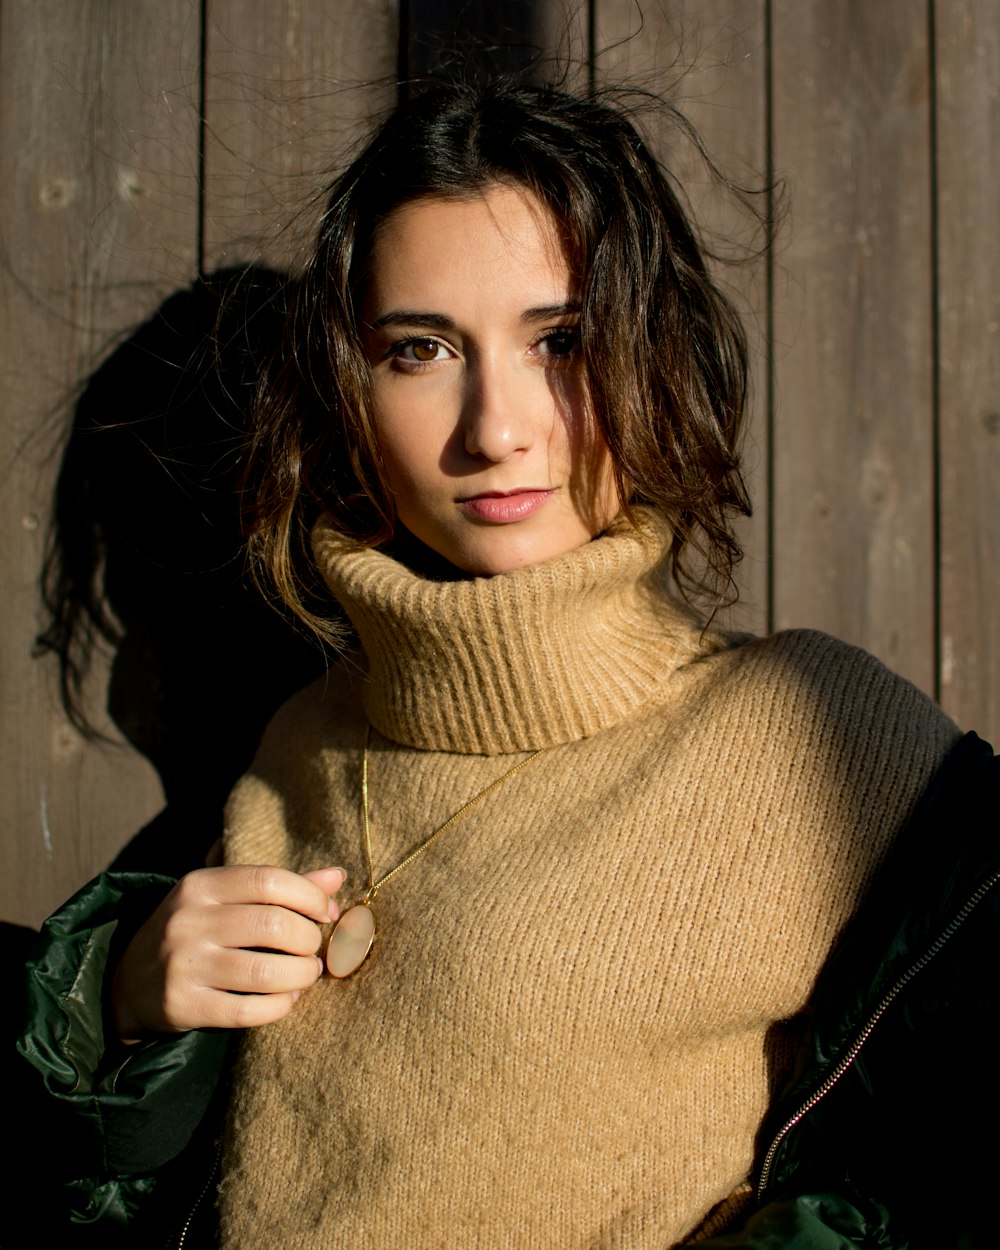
(592, 468)
(395, 422)
(413, 421)
(401, 460)
(607, 499)
(575, 424)
(413, 453)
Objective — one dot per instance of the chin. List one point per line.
(509, 553)
(485, 550)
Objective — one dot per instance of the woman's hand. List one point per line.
(227, 948)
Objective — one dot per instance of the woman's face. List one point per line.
(471, 327)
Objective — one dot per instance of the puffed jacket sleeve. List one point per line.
(117, 1122)
(811, 1221)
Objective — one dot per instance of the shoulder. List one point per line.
(806, 674)
(307, 740)
(801, 702)
(320, 715)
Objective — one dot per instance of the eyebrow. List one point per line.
(409, 317)
(439, 321)
(572, 308)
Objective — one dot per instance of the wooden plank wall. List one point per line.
(143, 143)
(99, 145)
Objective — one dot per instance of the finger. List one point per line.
(257, 883)
(262, 927)
(257, 972)
(216, 1009)
(329, 880)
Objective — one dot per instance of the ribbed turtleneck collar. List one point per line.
(538, 657)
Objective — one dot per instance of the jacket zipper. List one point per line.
(186, 1227)
(855, 1048)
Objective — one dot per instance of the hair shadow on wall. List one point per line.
(146, 557)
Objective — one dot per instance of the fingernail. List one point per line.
(296, 995)
(343, 878)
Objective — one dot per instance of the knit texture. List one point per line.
(582, 996)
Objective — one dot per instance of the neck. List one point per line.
(420, 559)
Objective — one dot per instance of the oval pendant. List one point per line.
(351, 941)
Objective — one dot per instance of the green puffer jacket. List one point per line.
(878, 1143)
(127, 1134)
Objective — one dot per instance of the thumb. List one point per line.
(329, 881)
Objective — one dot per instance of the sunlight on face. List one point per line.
(471, 327)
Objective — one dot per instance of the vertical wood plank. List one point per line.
(968, 192)
(289, 87)
(853, 439)
(448, 38)
(98, 143)
(709, 59)
(563, 31)
(544, 40)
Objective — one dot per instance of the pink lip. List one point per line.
(497, 508)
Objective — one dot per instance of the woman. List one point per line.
(605, 850)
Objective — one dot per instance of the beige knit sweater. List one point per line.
(580, 998)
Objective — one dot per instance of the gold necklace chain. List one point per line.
(354, 933)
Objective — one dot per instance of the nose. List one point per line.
(498, 412)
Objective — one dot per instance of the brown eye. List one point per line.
(561, 344)
(424, 351)
(420, 351)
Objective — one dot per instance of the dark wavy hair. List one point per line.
(664, 352)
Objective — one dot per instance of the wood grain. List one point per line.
(968, 192)
(710, 61)
(853, 435)
(289, 88)
(98, 148)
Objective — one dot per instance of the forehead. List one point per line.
(503, 239)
